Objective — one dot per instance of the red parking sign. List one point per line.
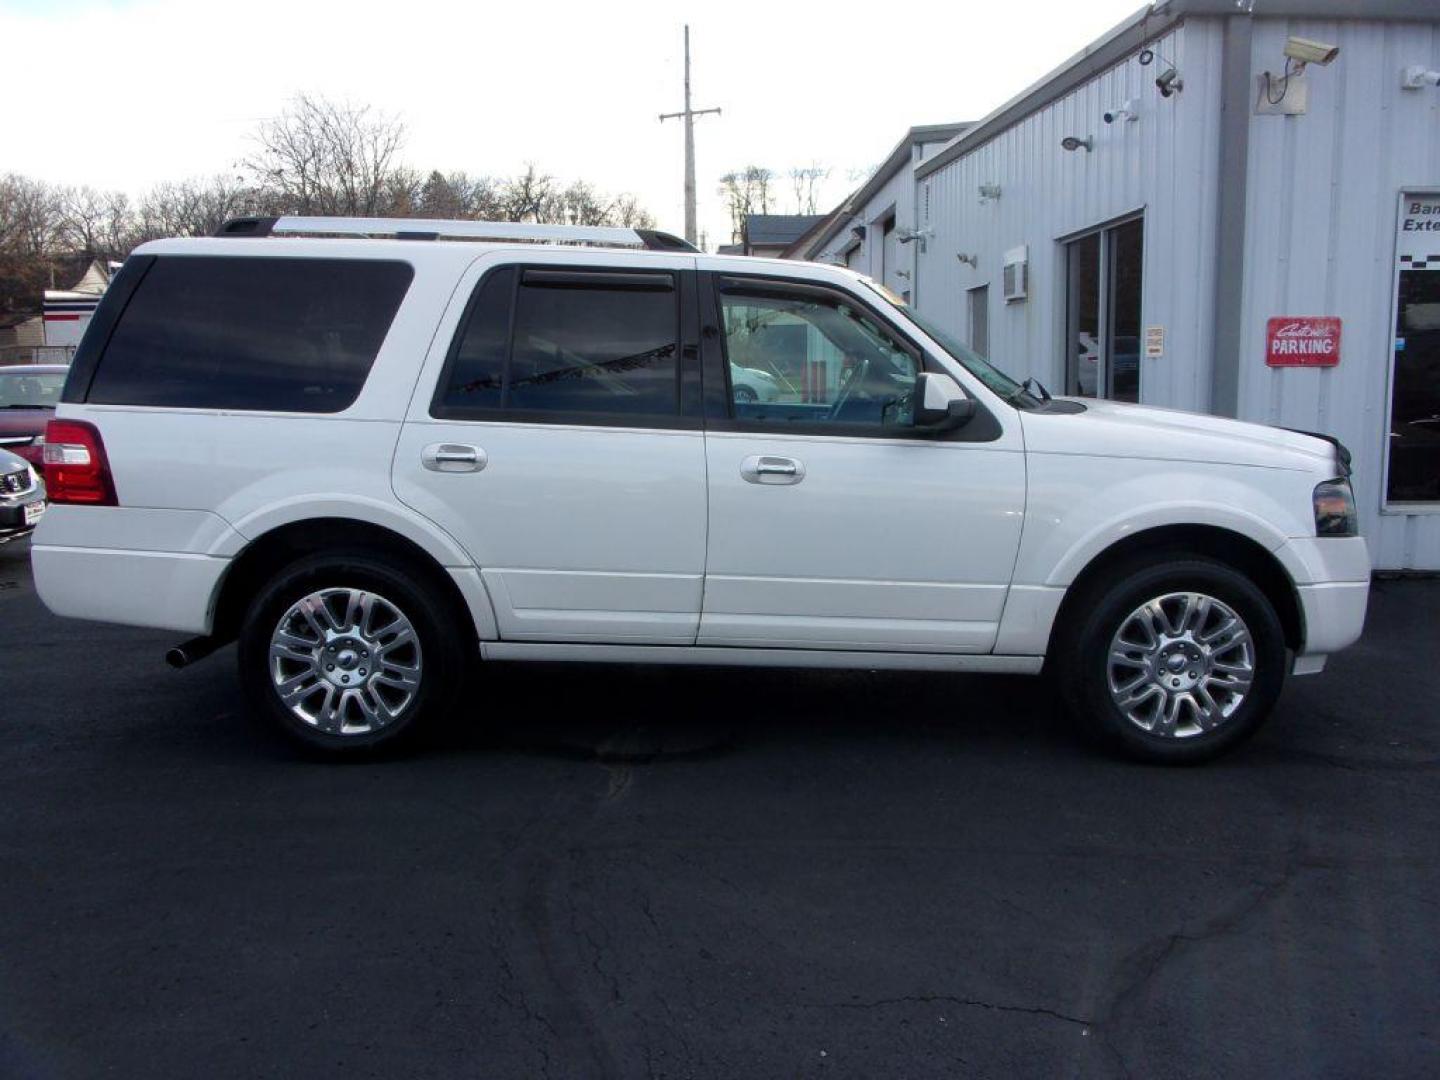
(1302, 341)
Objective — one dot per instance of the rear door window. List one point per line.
(542, 344)
(287, 335)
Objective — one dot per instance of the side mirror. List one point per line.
(940, 404)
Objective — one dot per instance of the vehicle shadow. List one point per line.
(636, 714)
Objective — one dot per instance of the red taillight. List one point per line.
(76, 469)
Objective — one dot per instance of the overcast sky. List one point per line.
(127, 93)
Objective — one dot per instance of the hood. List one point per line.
(1115, 429)
(20, 431)
(11, 462)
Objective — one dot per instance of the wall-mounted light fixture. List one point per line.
(1417, 77)
(1071, 143)
(989, 191)
(972, 260)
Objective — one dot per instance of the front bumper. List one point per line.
(21, 513)
(1332, 581)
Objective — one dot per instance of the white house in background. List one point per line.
(67, 312)
(1212, 210)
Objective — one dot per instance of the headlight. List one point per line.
(1335, 509)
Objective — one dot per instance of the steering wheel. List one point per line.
(848, 385)
(900, 406)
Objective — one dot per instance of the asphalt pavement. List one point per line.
(627, 872)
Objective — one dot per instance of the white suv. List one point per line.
(370, 450)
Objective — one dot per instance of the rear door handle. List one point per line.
(767, 469)
(453, 457)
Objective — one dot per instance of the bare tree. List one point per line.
(627, 212)
(192, 207)
(30, 224)
(746, 192)
(806, 181)
(317, 157)
(528, 197)
(29, 216)
(321, 157)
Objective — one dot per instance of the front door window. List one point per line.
(807, 358)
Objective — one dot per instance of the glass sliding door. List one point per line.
(1103, 275)
(1123, 249)
(1415, 386)
(1084, 374)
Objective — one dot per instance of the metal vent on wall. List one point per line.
(1015, 275)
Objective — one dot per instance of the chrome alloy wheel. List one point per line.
(1180, 664)
(345, 661)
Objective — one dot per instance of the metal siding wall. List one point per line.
(1164, 164)
(899, 190)
(1323, 189)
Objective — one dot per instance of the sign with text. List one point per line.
(1302, 341)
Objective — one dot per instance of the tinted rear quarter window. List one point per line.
(289, 335)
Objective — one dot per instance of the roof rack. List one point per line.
(436, 229)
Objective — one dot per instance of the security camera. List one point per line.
(1310, 52)
(1124, 111)
(1169, 82)
(1416, 77)
(1070, 142)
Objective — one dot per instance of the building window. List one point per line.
(1102, 312)
(978, 302)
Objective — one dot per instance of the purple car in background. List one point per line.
(28, 396)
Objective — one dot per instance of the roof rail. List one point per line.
(436, 229)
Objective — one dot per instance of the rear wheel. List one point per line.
(347, 653)
(1177, 661)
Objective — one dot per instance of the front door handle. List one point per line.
(766, 469)
(453, 457)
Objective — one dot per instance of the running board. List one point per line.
(743, 657)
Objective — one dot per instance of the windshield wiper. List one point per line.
(1031, 386)
(1036, 387)
(23, 406)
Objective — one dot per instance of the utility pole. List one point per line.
(689, 117)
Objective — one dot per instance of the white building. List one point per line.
(1171, 218)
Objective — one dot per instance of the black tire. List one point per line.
(745, 396)
(440, 654)
(1082, 667)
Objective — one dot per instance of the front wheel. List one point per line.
(1176, 662)
(347, 653)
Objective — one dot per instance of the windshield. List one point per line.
(30, 390)
(993, 378)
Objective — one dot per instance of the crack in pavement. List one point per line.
(1146, 963)
(948, 999)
